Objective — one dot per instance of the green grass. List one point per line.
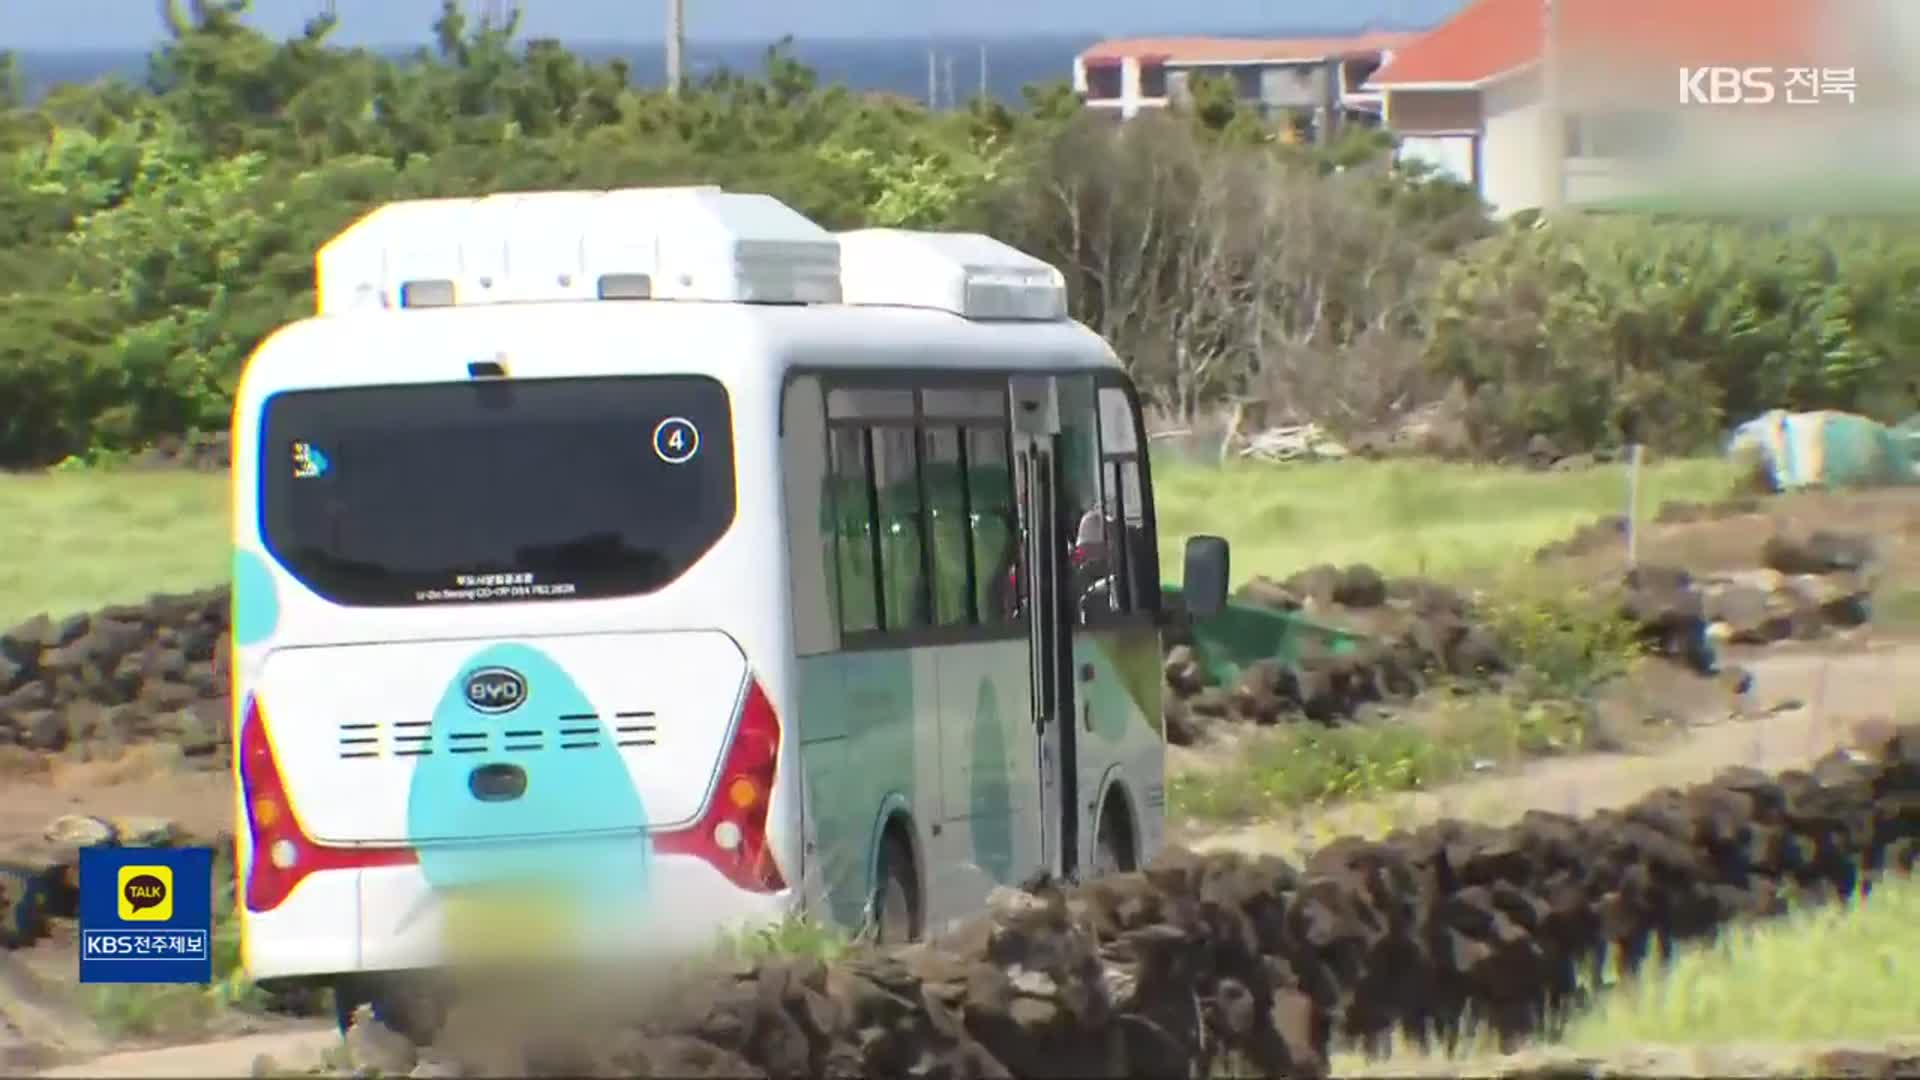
(1828, 973)
(77, 540)
(1302, 765)
(1773, 991)
(794, 936)
(1563, 646)
(1402, 517)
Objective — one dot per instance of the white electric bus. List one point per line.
(699, 566)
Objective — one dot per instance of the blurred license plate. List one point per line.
(485, 927)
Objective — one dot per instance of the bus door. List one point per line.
(1043, 584)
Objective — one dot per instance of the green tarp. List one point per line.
(1827, 450)
(1243, 634)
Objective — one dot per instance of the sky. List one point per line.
(113, 24)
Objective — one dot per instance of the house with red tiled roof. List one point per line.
(1316, 83)
(1571, 102)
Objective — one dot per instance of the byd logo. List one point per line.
(1727, 86)
(495, 690)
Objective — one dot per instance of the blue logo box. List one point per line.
(146, 915)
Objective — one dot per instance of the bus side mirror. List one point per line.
(1203, 585)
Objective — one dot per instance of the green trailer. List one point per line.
(1243, 634)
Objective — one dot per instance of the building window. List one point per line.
(1294, 125)
(1355, 73)
(1103, 80)
(1246, 82)
(1153, 80)
(1618, 134)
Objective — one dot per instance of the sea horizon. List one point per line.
(882, 65)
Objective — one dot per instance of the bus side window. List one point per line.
(996, 535)
(952, 540)
(1135, 564)
(854, 536)
(904, 585)
(1089, 549)
(1135, 558)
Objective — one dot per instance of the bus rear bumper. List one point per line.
(388, 919)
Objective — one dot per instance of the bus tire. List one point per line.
(896, 897)
(1114, 851)
(345, 1000)
(403, 1009)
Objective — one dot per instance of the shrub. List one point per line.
(1584, 328)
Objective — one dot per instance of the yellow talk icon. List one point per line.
(145, 893)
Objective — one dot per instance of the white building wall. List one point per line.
(1513, 173)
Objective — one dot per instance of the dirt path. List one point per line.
(1802, 705)
(199, 801)
(38, 1023)
(44, 1031)
(297, 1049)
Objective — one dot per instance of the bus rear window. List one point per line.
(496, 491)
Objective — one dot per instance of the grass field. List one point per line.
(1837, 973)
(74, 541)
(1291, 766)
(1402, 517)
(1832, 974)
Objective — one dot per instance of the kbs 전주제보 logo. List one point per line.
(146, 915)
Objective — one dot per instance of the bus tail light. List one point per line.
(732, 835)
(283, 854)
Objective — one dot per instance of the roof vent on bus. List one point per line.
(970, 275)
(684, 243)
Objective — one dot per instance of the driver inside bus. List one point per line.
(1092, 569)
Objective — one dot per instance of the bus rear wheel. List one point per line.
(894, 895)
(1113, 850)
(403, 1008)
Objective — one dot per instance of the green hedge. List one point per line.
(1571, 328)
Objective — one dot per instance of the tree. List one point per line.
(1224, 268)
(13, 86)
(151, 234)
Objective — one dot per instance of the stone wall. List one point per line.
(1220, 964)
(95, 684)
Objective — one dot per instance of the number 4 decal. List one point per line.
(676, 440)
